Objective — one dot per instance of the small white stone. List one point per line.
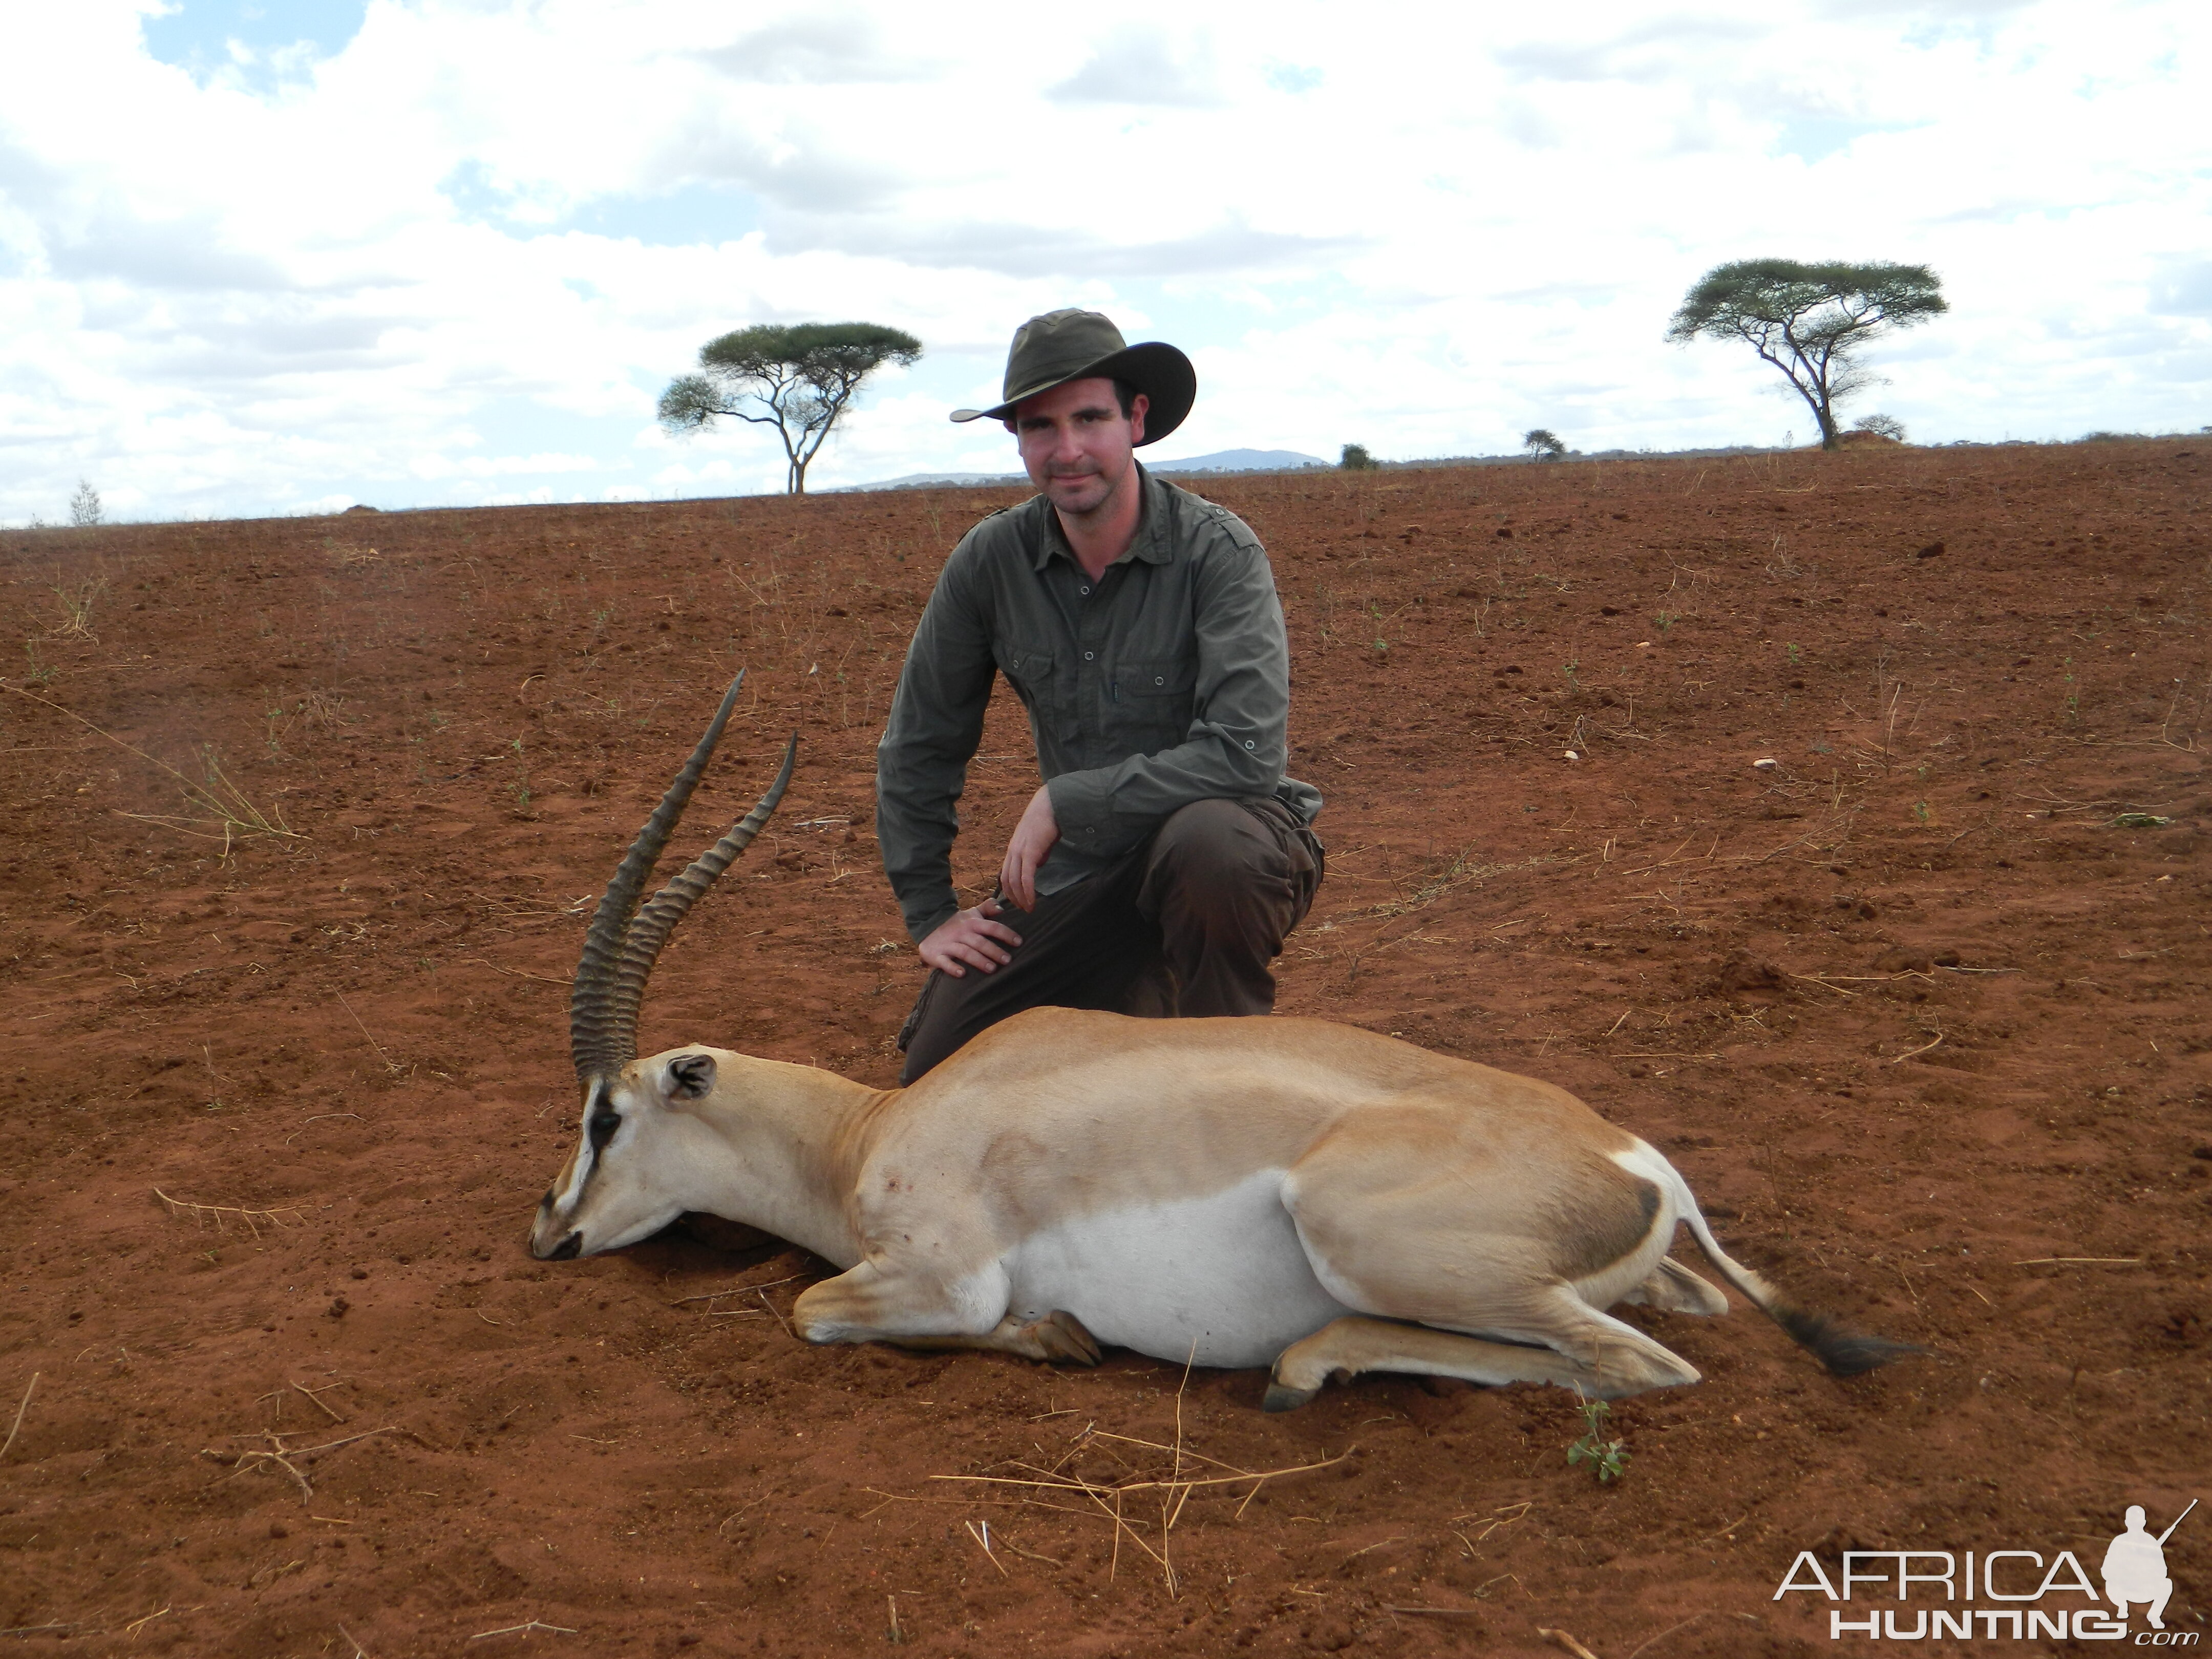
(1572, 755)
(1764, 765)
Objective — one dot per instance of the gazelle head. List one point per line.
(613, 1190)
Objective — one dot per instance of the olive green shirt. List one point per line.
(1165, 682)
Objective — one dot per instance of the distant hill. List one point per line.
(933, 481)
(1241, 460)
(1222, 461)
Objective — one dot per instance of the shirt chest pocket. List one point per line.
(1172, 679)
(1028, 671)
(1151, 701)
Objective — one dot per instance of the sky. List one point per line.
(276, 258)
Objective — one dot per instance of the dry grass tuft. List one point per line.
(1150, 1472)
(76, 606)
(220, 809)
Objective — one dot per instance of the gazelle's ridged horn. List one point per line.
(657, 919)
(597, 1042)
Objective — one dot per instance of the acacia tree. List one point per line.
(796, 378)
(1543, 444)
(1810, 321)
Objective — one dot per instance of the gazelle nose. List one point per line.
(567, 1249)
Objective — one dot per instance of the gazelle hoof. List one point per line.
(1282, 1399)
(1063, 1340)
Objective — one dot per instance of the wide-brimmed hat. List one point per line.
(1080, 345)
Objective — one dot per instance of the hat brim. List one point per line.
(1156, 368)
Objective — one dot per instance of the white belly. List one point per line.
(1225, 1271)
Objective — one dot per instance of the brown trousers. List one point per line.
(1184, 925)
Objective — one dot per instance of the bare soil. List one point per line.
(1918, 1011)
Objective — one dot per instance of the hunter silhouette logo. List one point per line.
(2135, 1567)
(1933, 1594)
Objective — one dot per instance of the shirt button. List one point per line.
(1088, 655)
(1248, 743)
(1159, 679)
(1083, 590)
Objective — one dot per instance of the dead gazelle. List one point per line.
(1281, 1192)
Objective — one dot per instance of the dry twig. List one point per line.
(1909, 1052)
(523, 1629)
(1652, 1641)
(390, 1064)
(280, 1455)
(2080, 1262)
(17, 1425)
(1434, 1613)
(201, 1214)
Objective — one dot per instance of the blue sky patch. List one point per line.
(278, 36)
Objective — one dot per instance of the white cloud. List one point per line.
(464, 249)
(1141, 64)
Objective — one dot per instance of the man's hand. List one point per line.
(970, 939)
(1033, 838)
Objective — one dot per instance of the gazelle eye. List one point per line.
(604, 1125)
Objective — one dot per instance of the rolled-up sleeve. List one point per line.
(936, 723)
(1235, 746)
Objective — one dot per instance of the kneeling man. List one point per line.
(1164, 859)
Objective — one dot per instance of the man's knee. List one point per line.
(1211, 844)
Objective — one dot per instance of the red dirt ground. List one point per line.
(1913, 1011)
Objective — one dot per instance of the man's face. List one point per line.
(1076, 443)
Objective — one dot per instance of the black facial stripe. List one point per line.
(596, 1105)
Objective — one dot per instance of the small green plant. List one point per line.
(1607, 1458)
(41, 671)
(1356, 458)
(1665, 620)
(1374, 612)
(1924, 812)
(2073, 691)
(2140, 821)
(76, 606)
(1569, 669)
(1796, 657)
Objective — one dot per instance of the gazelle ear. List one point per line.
(689, 1076)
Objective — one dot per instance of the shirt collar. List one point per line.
(1150, 544)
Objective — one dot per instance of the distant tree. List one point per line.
(1882, 426)
(796, 378)
(1809, 321)
(84, 506)
(1356, 458)
(1543, 444)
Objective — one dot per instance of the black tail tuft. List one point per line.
(1846, 1353)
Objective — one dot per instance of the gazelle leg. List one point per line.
(1623, 1359)
(874, 1303)
(1059, 1338)
(1674, 1288)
